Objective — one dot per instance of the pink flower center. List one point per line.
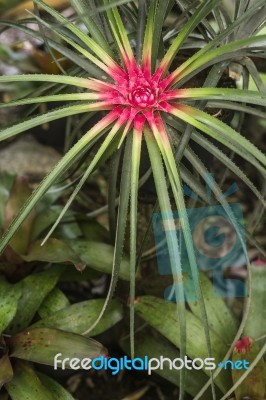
(142, 97)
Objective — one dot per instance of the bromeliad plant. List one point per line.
(127, 75)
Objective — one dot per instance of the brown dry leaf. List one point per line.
(19, 193)
(19, 11)
(46, 63)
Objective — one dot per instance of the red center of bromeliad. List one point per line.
(142, 91)
(142, 97)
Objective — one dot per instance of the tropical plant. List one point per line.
(129, 74)
(30, 329)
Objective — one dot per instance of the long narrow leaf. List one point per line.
(176, 185)
(120, 231)
(197, 16)
(84, 9)
(102, 150)
(57, 97)
(228, 163)
(87, 54)
(247, 96)
(112, 196)
(90, 43)
(222, 157)
(228, 132)
(75, 152)
(48, 117)
(228, 105)
(148, 37)
(140, 29)
(222, 136)
(213, 55)
(136, 151)
(219, 38)
(121, 34)
(64, 80)
(172, 242)
(164, 6)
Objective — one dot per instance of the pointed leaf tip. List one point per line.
(41, 345)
